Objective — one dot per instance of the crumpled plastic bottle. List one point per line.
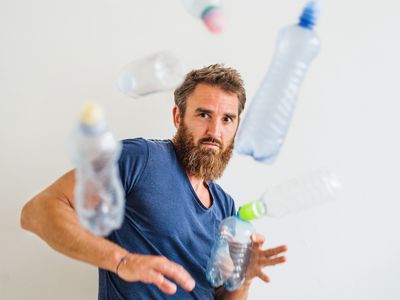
(159, 72)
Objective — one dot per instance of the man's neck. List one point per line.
(200, 187)
(198, 184)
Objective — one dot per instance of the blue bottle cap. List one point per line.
(309, 15)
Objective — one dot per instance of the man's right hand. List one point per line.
(51, 215)
(155, 270)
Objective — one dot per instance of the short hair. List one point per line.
(228, 79)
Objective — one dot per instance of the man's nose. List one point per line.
(214, 129)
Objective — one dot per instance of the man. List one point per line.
(173, 207)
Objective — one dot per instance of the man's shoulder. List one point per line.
(221, 193)
(143, 144)
(134, 146)
(218, 188)
(140, 141)
(142, 148)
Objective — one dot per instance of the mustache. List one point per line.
(211, 140)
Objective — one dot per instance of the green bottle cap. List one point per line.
(252, 210)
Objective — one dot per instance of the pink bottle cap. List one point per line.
(214, 21)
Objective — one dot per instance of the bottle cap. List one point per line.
(91, 114)
(213, 19)
(252, 210)
(309, 15)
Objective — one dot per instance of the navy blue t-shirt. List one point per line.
(164, 216)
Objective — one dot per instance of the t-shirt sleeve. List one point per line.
(132, 162)
(225, 202)
(233, 207)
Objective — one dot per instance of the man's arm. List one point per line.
(239, 294)
(51, 215)
(259, 259)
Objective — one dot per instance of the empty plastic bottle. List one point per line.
(99, 195)
(266, 123)
(231, 251)
(309, 190)
(209, 11)
(230, 254)
(159, 72)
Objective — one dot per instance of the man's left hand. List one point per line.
(261, 258)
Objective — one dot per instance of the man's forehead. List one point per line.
(214, 106)
(213, 98)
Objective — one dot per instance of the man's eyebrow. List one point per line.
(203, 110)
(208, 111)
(232, 116)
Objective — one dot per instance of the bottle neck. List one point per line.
(93, 129)
(207, 10)
(252, 210)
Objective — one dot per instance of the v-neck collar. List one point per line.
(190, 186)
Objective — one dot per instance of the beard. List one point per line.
(197, 160)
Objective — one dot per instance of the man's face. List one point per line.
(205, 136)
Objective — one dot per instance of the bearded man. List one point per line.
(173, 206)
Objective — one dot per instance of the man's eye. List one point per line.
(227, 119)
(203, 115)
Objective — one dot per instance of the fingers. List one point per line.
(262, 258)
(157, 270)
(275, 251)
(257, 239)
(271, 257)
(264, 277)
(266, 261)
(161, 282)
(175, 272)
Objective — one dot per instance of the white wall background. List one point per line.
(55, 55)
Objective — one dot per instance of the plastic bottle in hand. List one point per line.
(99, 195)
(265, 125)
(230, 254)
(208, 11)
(159, 72)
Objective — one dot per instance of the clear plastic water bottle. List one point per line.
(159, 72)
(309, 190)
(230, 254)
(265, 125)
(209, 11)
(231, 251)
(99, 195)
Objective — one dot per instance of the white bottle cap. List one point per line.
(91, 114)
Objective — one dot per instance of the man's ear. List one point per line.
(176, 114)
